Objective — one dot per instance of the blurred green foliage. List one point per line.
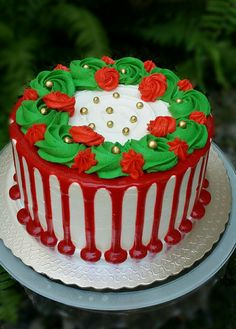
(195, 38)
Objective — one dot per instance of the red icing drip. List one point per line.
(138, 250)
(48, 238)
(200, 179)
(205, 197)
(33, 226)
(205, 183)
(185, 225)
(198, 211)
(156, 245)
(90, 252)
(66, 246)
(15, 177)
(23, 216)
(173, 236)
(116, 254)
(14, 192)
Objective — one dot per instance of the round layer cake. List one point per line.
(110, 158)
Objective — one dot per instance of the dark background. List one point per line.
(197, 39)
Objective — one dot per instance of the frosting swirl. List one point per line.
(83, 72)
(60, 80)
(171, 80)
(54, 149)
(131, 70)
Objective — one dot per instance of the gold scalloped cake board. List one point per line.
(132, 273)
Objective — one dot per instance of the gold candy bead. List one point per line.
(92, 125)
(49, 84)
(96, 100)
(139, 105)
(125, 131)
(182, 124)
(123, 71)
(110, 124)
(133, 119)
(68, 140)
(115, 149)
(178, 100)
(83, 110)
(116, 95)
(43, 110)
(85, 66)
(109, 110)
(152, 144)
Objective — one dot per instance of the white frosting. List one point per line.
(123, 108)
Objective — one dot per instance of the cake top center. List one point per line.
(118, 115)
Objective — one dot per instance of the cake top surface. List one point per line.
(113, 117)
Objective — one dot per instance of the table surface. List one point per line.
(131, 299)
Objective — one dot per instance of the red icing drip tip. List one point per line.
(186, 226)
(33, 228)
(173, 237)
(205, 183)
(15, 178)
(205, 197)
(90, 255)
(14, 192)
(48, 239)
(155, 246)
(138, 252)
(66, 248)
(115, 257)
(198, 211)
(23, 216)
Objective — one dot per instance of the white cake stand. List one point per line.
(145, 297)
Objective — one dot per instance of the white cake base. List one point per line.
(73, 270)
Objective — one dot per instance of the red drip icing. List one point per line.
(23, 215)
(48, 238)
(33, 227)
(90, 252)
(116, 254)
(156, 245)
(198, 211)
(205, 197)
(15, 177)
(14, 192)
(173, 236)
(138, 250)
(186, 225)
(205, 183)
(66, 246)
(200, 179)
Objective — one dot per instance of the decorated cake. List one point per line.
(110, 158)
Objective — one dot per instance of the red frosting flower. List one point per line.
(108, 60)
(199, 117)
(86, 135)
(132, 164)
(84, 160)
(60, 102)
(61, 67)
(152, 87)
(149, 65)
(185, 85)
(35, 133)
(162, 126)
(30, 94)
(107, 78)
(179, 147)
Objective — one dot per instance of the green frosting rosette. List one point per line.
(133, 68)
(83, 72)
(57, 80)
